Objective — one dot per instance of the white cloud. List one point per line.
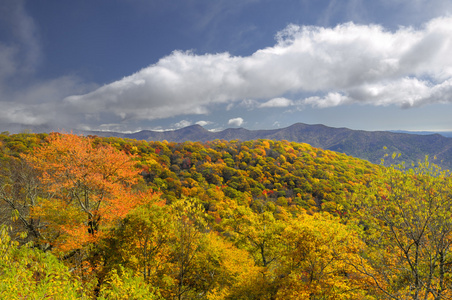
(248, 104)
(342, 65)
(203, 123)
(277, 102)
(405, 92)
(331, 99)
(235, 122)
(40, 103)
(347, 64)
(182, 124)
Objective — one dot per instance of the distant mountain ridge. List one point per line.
(367, 145)
(443, 133)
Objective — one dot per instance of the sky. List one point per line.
(130, 65)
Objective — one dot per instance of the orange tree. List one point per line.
(89, 186)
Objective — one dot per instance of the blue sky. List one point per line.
(128, 65)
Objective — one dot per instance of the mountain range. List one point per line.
(368, 145)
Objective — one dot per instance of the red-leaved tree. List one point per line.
(89, 186)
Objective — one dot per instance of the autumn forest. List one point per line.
(110, 218)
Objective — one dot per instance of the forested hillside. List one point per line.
(112, 218)
(367, 145)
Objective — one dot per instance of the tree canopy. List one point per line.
(110, 218)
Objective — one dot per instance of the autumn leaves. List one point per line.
(88, 189)
(222, 220)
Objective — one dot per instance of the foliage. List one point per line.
(89, 189)
(169, 248)
(408, 217)
(27, 273)
(124, 285)
(318, 258)
(20, 191)
(257, 219)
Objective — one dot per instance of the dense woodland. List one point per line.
(111, 218)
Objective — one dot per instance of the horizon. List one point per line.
(444, 133)
(127, 66)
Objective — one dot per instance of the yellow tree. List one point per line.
(204, 265)
(317, 259)
(141, 243)
(258, 233)
(408, 225)
(170, 248)
(29, 273)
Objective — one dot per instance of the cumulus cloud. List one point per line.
(39, 103)
(319, 66)
(277, 102)
(331, 99)
(203, 123)
(349, 63)
(182, 124)
(236, 122)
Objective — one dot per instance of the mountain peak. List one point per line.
(358, 143)
(194, 127)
